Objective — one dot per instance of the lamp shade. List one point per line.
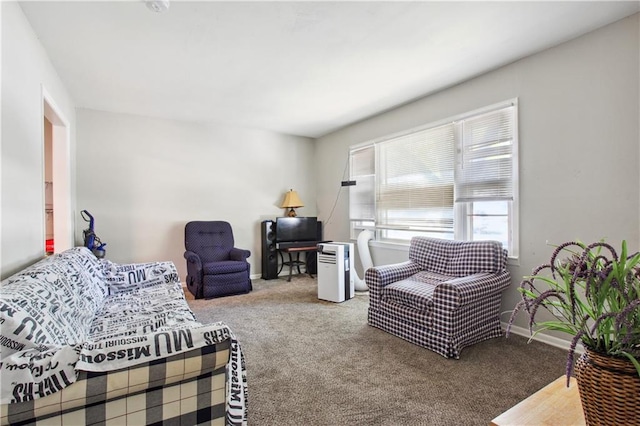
(291, 200)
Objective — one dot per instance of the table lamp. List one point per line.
(291, 201)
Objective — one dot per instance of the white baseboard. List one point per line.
(253, 277)
(544, 338)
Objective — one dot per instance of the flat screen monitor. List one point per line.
(296, 228)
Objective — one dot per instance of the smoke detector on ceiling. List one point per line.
(157, 6)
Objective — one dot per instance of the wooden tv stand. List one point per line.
(291, 263)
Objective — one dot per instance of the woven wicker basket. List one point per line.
(609, 389)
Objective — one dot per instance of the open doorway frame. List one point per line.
(63, 221)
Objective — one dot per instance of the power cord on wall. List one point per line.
(339, 190)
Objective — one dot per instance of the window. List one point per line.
(362, 196)
(453, 180)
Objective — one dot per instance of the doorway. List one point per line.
(58, 218)
(48, 187)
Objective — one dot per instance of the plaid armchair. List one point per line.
(444, 298)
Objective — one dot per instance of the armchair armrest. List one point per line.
(463, 291)
(378, 277)
(381, 276)
(239, 254)
(193, 259)
(194, 264)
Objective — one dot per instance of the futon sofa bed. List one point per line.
(88, 341)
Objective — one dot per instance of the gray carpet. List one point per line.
(311, 362)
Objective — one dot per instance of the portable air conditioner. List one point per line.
(336, 272)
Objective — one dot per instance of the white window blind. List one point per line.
(484, 167)
(453, 179)
(362, 195)
(415, 180)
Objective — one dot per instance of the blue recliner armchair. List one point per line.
(214, 266)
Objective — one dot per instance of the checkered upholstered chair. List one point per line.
(445, 297)
(214, 266)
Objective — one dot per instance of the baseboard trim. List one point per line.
(543, 338)
(253, 277)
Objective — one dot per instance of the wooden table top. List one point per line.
(295, 249)
(553, 405)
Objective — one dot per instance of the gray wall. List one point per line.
(143, 179)
(579, 144)
(26, 70)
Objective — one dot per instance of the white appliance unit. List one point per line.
(336, 272)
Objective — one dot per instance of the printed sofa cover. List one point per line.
(445, 297)
(85, 341)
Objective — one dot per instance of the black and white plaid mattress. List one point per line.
(184, 387)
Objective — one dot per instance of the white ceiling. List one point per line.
(302, 68)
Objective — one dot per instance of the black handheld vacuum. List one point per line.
(91, 240)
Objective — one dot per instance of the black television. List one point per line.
(296, 229)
